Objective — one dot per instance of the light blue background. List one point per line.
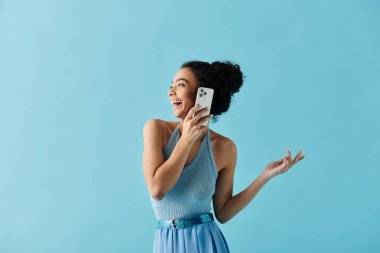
(78, 79)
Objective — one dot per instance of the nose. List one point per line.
(170, 92)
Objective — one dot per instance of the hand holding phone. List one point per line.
(204, 98)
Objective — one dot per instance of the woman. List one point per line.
(186, 165)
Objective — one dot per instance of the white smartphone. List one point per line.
(204, 98)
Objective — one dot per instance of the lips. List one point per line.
(175, 106)
(176, 102)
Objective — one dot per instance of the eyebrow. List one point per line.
(181, 79)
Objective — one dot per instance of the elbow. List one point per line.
(221, 219)
(158, 197)
(157, 193)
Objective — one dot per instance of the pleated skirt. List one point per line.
(198, 238)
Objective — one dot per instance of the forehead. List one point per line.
(186, 74)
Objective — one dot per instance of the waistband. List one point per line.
(185, 222)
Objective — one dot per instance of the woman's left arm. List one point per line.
(227, 206)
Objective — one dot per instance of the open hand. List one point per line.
(283, 165)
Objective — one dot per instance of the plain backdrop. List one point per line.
(78, 80)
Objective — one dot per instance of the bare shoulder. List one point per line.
(152, 125)
(153, 129)
(224, 150)
(161, 129)
(222, 141)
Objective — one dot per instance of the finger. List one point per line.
(290, 155)
(204, 121)
(204, 118)
(192, 111)
(300, 153)
(280, 161)
(284, 163)
(200, 113)
(289, 162)
(288, 165)
(203, 129)
(199, 108)
(296, 158)
(299, 159)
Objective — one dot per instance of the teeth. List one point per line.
(176, 101)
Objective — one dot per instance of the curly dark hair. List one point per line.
(224, 77)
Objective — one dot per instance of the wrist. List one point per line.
(185, 141)
(264, 178)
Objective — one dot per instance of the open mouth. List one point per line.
(176, 103)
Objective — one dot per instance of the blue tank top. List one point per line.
(192, 194)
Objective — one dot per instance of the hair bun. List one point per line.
(227, 75)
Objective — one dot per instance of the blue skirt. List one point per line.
(198, 238)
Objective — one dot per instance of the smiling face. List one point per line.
(183, 91)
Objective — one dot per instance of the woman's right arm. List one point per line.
(161, 175)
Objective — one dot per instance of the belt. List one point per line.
(185, 222)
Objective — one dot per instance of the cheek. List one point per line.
(189, 98)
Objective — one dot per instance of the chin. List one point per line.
(179, 116)
(177, 112)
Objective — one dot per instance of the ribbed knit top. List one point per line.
(192, 193)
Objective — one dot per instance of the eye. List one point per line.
(181, 84)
